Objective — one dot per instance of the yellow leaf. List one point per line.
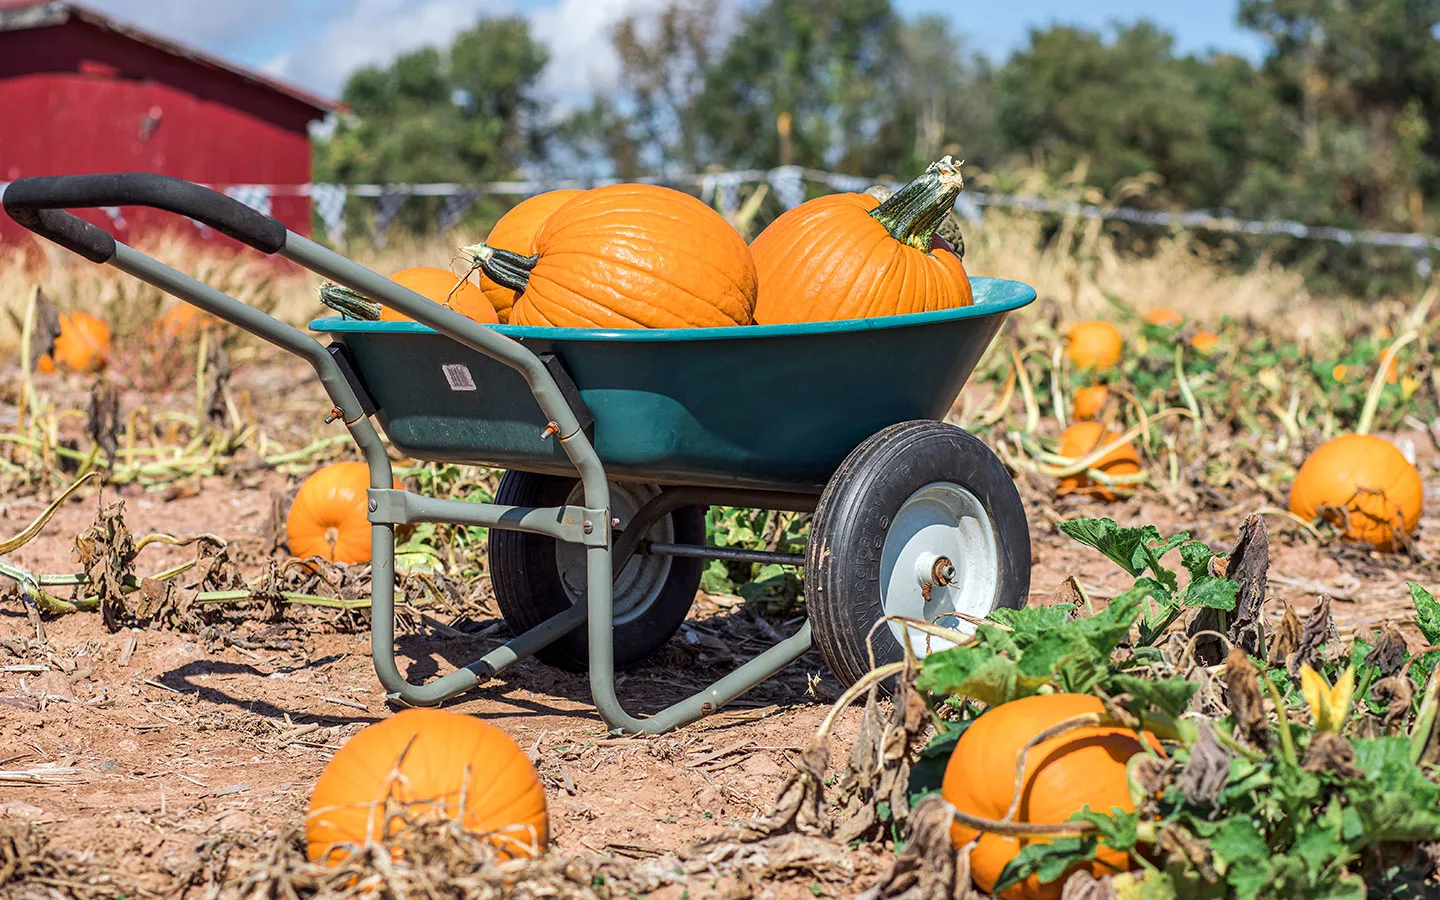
(1409, 385)
(1329, 706)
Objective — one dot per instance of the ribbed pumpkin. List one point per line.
(516, 231)
(83, 344)
(629, 256)
(430, 762)
(1084, 438)
(1095, 345)
(850, 256)
(330, 515)
(446, 288)
(1090, 401)
(1363, 484)
(1062, 775)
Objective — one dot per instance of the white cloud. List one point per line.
(577, 32)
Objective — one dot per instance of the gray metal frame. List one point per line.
(591, 526)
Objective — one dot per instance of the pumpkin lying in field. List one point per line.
(517, 230)
(1083, 438)
(1090, 402)
(1365, 486)
(1081, 767)
(628, 256)
(850, 256)
(426, 765)
(330, 516)
(1095, 345)
(83, 345)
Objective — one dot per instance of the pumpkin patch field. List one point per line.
(1218, 680)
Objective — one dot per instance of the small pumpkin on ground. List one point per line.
(83, 345)
(628, 256)
(1095, 345)
(431, 764)
(1084, 438)
(1090, 402)
(516, 230)
(850, 256)
(1205, 342)
(1164, 317)
(330, 515)
(1364, 485)
(181, 322)
(1080, 767)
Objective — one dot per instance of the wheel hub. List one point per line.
(939, 558)
(642, 579)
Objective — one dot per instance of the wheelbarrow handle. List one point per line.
(39, 204)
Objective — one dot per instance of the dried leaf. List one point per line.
(929, 868)
(1081, 885)
(1397, 693)
(1318, 633)
(103, 423)
(800, 807)
(106, 553)
(46, 327)
(1249, 567)
(217, 379)
(1176, 842)
(1247, 703)
(1204, 776)
(1286, 639)
(1389, 653)
(1332, 753)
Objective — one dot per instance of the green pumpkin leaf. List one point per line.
(1132, 549)
(1047, 861)
(1212, 593)
(1170, 696)
(1427, 612)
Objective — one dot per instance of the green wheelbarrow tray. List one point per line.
(766, 406)
(615, 441)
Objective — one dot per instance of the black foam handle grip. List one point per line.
(37, 204)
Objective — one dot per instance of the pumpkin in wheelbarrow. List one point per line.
(851, 256)
(628, 256)
(517, 230)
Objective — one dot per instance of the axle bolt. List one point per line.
(943, 571)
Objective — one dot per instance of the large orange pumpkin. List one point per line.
(1365, 485)
(432, 763)
(446, 288)
(849, 256)
(1084, 438)
(1095, 345)
(1062, 776)
(83, 344)
(629, 256)
(516, 230)
(1090, 401)
(330, 515)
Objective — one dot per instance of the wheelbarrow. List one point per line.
(616, 442)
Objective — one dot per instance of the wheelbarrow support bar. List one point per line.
(39, 204)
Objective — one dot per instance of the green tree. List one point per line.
(465, 114)
(810, 82)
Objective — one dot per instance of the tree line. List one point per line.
(1333, 125)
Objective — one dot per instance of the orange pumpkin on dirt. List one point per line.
(1205, 342)
(1084, 438)
(628, 256)
(1083, 767)
(1095, 345)
(850, 256)
(1090, 402)
(432, 764)
(446, 288)
(1164, 317)
(330, 516)
(516, 230)
(83, 344)
(1364, 485)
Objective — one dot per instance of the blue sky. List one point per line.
(316, 43)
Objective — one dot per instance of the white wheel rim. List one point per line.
(940, 522)
(644, 576)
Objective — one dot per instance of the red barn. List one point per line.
(80, 93)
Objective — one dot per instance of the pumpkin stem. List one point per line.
(503, 267)
(915, 213)
(332, 537)
(348, 303)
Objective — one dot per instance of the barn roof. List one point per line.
(19, 15)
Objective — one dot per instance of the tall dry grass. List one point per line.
(1078, 264)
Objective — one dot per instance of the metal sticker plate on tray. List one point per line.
(459, 377)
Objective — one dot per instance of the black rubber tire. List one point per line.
(847, 533)
(528, 589)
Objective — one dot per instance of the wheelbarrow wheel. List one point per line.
(921, 520)
(536, 577)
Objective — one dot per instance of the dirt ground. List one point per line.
(135, 751)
